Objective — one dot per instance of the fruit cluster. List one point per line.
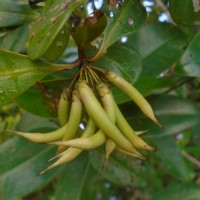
(88, 91)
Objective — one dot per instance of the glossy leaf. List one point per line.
(190, 63)
(14, 14)
(184, 12)
(58, 45)
(160, 46)
(46, 28)
(119, 169)
(179, 191)
(21, 161)
(123, 60)
(18, 73)
(46, 94)
(122, 21)
(15, 40)
(89, 29)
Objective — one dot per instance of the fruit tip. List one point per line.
(158, 123)
(141, 132)
(47, 169)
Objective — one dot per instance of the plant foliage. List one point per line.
(153, 44)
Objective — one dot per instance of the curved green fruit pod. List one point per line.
(89, 29)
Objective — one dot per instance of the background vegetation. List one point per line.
(155, 44)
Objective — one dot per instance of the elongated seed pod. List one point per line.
(63, 107)
(129, 133)
(74, 119)
(89, 130)
(100, 117)
(44, 137)
(134, 94)
(130, 154)
(71, 154)
(109, 106)
(88, 143)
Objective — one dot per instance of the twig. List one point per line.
(190, 158)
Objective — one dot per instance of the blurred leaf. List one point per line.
(45, 30)
(14, 14)
(190, 63)
(176, 115)
(123, 20)
(120, 170)
(129, 65)
(178, 191)
(160, 46)
(184, 12)
(21, 161)
(15, 40)
(18, 73)
(171, 158)
(73, 182)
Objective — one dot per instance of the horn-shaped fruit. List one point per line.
(129, 133)
(44, 137)
(100, 117)
(74, 119)
(133, 93)
(63, 107)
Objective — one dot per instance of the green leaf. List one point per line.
(178, 191)
(79, 181)
(89, 28)
(126, 19)
(21, 161)
(171, 158)
(15, 40)
(45, 102)
(46, 28)
(160, 46)
(18, 73)
(14, 14)
(58, 45)
(176, 115)
(41, 106)
(190, 62)
(71, 181)
(120, 170)
(123, 60)
(184, 12)
(76, 180)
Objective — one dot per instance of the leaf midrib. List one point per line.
(158, 47)
(16, 72)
